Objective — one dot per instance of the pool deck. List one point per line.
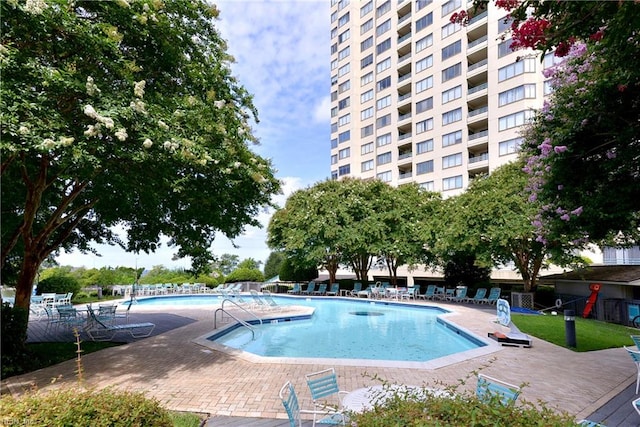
(186, 376)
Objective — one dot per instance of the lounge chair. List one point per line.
(636, 340)
(480, 294)
(489, 388)
(589, 423)
(357, 287)
(296, 290)
(271, 303)
(99, 331)
(258, 301)
(494, 295)
(311, 287)
(326, 395)
(430, 293)
(335, 288)
(514, 337)
(409, 294)
(460, 294)
(367, 293)
(635, 355)
(290, 402)
(322, 289)
(636, 405)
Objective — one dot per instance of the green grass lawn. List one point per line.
(590, 334)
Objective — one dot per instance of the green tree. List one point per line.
(226, 263)
(295, 273)
(250, 263)
(243, 274)
(118, 113)
(272, 266)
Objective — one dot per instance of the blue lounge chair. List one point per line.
(99, 331)
(459, 295)
(335, 288)
(494, 296)
(357, 287)
(430, 293)
(489, 388)
(322, 289)
(636, 340)
(311, 287)
(635, 355)
(480, 294)
(326, 394)
(296, 290)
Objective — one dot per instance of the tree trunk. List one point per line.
(24, 288)
(392, 267)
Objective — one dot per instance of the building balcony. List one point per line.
(478, 114)
(477, 91)
(405, 157)
(404, 58)
(404, 83)
(404, 38)
(477, 44)
(404, 99)
(478, 138)
(477, 68)
(405, 175)
(477, 21)
(404, 19)
(404, 136)
(478, 165)
(403, 117)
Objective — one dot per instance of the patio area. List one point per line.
(185, 376)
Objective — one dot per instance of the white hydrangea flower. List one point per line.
(138, 106)
(241, 131)
(163, 125)
(66, 140)
(123, 3)
(145, 7)
(92, 89)
(147, 143)
(48, 143)
(108, 123)
(35, 7)
(23, 130)
(90, 111)
(220, 103)
(237, 165)
(138, 88)
(91, 131)
(121, 134)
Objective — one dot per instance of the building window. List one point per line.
(343, 20)
(504, 48)
(451, 116)
(424, 43)
(344, 170)
(366, 113)
(344, 103)
(451, 50)
(424, 126)
(344, 153)
(424, 105)
(334, 111)
(383, 47)
(515, 119)
(451, 72)
(504, 24)
(343, 87)
(334, 175)
(366, 44)
(366, 96)
(384, 83)
(344, 137)
(344, 36)
(383, 65)
(452, 138)
(366, 27)
(344, 70)
(334, 64)
(449, 29)
(334, 95)
(424, 167)
(451, 94)
(384, 8)
(509, 146)
(334, 159)
(383, 102)
(366, 131)
(526, 65)
(346, 119)
(384, 176)
(344, 53)
(424, 63)
(367, 60)
(384, 158)
(518, 93)
(367, 78)
(383, 140)
(428, 186)
(424, 84)
(334, 16)
(334, 32)
(451, 6)
(421, 4)
(366, 166)
(334, 48)
(366, 8)
(366, 148)
(383, 121)
(451, 161)
(334, 143)
(334, 80)
(424, 146)
(424, 22)
(452, 183)
(383, 28)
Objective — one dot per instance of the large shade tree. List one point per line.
(121, 114)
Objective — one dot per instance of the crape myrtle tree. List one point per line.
(405, 212)
(583, 148)
(121, 114)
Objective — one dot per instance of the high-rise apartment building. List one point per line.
(415, 97)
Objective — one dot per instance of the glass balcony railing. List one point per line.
(477, 65)
(478, 111)
(478, 135)
(405, 155)
(479, 158)
(477, 42)
(478, 88)
(477, 18)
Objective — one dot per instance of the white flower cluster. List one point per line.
(92, 89)
(63, 141)
(91, 112)
(138, 106)
(219, 104)
(35, 7)
(121, 134)
(147, 143)
(138, 88)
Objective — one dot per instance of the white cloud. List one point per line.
(322, 113)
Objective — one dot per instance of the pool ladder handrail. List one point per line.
(240, 321)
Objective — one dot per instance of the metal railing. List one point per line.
(240, 321)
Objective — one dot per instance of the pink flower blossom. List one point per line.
(560, 149)
(577, 211)
(565, 217)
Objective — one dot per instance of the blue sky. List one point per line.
(282, 57)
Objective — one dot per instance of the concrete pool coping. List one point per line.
(185, 376)
(488, 346)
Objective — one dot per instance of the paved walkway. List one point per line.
(186, 376)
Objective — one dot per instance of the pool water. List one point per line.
(351, 329)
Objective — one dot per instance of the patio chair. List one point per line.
(326, 395)
(99, 331)
(635, 355)
(459, 295)
(636, 405)
(271, 303)
(335, 288)
(322, 289)
(409, 294)
(480, 294)
(494, 296)
(311, 287)
(68, 317)
(357, 287)
(367, 293)
(296, 290)
(489, 388)
(636, 340)
(429, 294)
(290, 402)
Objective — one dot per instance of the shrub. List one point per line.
(59, 284)
(14, 334)
(245, 275)
(74, 407)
